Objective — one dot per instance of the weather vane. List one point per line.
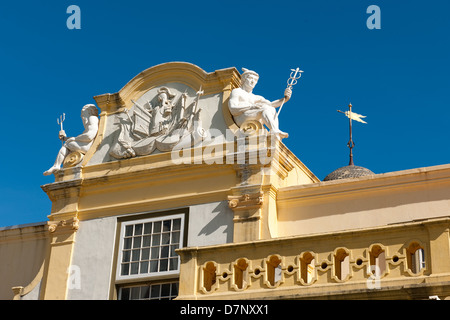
(60, 121)
(352, 116)
(292, 81)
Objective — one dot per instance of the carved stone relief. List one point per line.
(160, 120)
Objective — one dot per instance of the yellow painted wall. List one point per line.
(366, 202)
(22, 255)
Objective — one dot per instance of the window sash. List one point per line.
(147, 247)
(150, 291)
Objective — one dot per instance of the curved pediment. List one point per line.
(140, 119)
(181, 72)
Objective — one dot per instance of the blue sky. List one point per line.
(397, 76)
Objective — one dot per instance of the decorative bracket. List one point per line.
(246, 201)
(72, 223)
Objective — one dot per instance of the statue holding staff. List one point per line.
(80, 143)
(245, 106)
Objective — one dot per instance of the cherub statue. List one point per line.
(80, 143)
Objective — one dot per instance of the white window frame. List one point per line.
(151, 275)
(150, 285)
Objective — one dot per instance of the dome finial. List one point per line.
(350, 171)
(352, 116)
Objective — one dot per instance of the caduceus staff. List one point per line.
(292, 81)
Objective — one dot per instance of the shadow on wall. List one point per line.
(223, 217)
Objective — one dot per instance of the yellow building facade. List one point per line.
(174, 201)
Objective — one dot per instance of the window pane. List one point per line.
(144, 267)
(154, 292)
(176, 224)
(165, 252)
(174, 289)
(156, 240)
(148, 228)
(154, 266)
(157, 227)
(145, 254)
(145, 291)
(125, 294)
(137, 242)
(127, 243)
(165, 290)
(173, 264)
(128, 231)
(138, 229)
(125, 269)
(166, 225)
(135, 255)
(175, 237)
(134, 268)
(165, 239)
(146, 241)
(135, 293)
(155, 253)
(172, 251)
(126, 255)
(163, 264)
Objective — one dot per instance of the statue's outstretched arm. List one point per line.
(287, 96)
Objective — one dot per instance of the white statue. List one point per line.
(245, 106)
(80, 143)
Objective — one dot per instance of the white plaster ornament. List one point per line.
(173, 121)
(80, 144)
(246, 107)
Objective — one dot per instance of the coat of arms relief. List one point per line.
(162, 118)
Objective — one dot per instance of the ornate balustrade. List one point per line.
(409, 260)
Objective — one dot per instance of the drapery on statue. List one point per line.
(80, 143)
(245, 106)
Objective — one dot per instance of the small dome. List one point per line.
(348, 172)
